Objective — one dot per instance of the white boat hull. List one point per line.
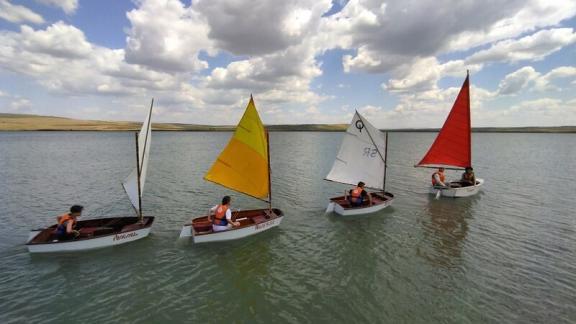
(232, 234)
(83, 244)
(458, 192)
(96, 243)
(343, 211)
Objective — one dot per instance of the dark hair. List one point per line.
(361, 184)
(76, 209)
(469, 168)
(225, 200)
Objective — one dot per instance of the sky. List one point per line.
(400, 63)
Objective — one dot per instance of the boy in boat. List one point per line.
(439, 178)
(468, 178)
(67, 223)
(357, 195)
(222, 220)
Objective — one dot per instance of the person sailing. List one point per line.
(439, 179)
(67, 223)
(222, 219)
(468, 177)
(357, 195)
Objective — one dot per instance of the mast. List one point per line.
(269, 176)
(385, 165)
(138, 178)
(469, 117)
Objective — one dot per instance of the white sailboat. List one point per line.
(362, 157)
(243, 166)
(104, 232)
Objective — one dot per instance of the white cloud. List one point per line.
(528, 78)
(20, 105)
(563, 72)
(59, 40)
(402, 31)
(517, 80)
(245, 27)
(424, 74)
(167, 36)
(68, 6)
(18, 14)
(532, 47)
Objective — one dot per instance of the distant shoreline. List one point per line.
(21, 122)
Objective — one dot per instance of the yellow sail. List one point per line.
(243, 165)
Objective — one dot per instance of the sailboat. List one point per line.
(362, 157)
(104, 232)
(452, 148)
(243, 166)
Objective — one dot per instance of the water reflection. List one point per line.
(445, 229)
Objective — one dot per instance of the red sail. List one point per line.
(452, 146)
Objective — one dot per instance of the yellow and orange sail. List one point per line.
(243, 164)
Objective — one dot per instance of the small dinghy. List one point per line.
(452, 148)
(362, 157)
(243, 166)
(104, 232)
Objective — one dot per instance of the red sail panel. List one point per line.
(452, 146)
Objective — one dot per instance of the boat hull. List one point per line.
(458, 192)
(341, 206)
(251, 224)
(127, 230)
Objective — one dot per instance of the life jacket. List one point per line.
(440, 175)
(356, 194)
(220, 215)
(468, 177)
(63, 222)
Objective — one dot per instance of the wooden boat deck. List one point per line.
(246, 218)
(94, 228)
(378, 198)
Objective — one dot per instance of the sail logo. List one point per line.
(370, 152)
(265, 225)
(119, 237)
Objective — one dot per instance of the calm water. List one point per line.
(506, 255)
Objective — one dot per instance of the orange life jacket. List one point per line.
(440, 175)
(63, 223)
(220, 215)
(64, 218)
(356, 194)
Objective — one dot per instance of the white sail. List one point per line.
(361, 156)
(130, 184)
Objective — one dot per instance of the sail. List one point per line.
(243, 164)
(130, 184)
(361, 156)
(452, 146)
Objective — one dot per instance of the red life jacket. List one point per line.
(220, 215)
(440, 175)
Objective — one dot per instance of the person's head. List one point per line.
(469, 170)
(76, 210)
(361, 184)
(226, 200)
(440, 169)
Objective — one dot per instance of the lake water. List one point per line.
(507, 255)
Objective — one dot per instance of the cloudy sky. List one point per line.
(400, 62)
